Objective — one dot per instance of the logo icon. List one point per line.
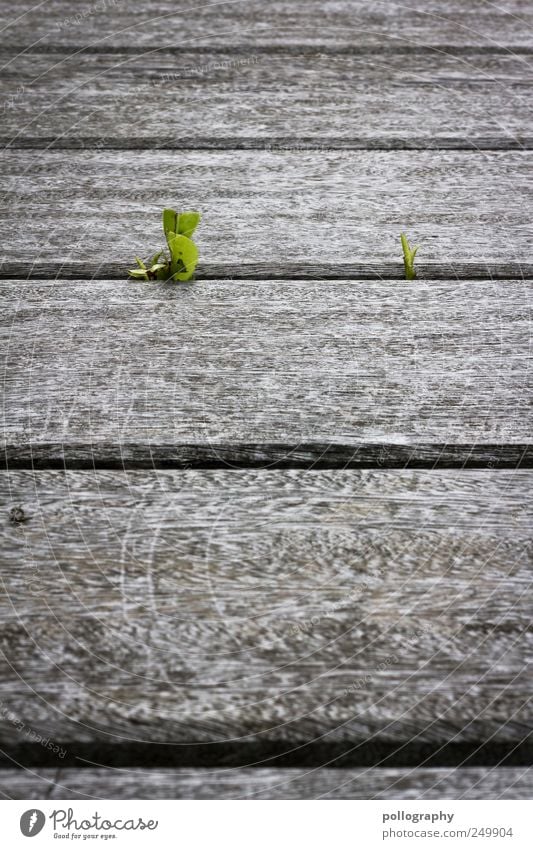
(32, 822)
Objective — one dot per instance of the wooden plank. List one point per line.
(368, 616)
(323, 23)
(467, 783)
(28, 784)
(256, 99)
(89, 209)
(286, 372)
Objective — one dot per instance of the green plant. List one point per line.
(180, 263)
(409, 254)
(155, 271)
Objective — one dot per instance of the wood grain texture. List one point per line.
(389, 372)
(257, 99)
(269, 207)
(230, 618)
(325, 23)
(466, 783)
(197, 616)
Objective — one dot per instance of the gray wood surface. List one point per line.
(268, 608)
(353, 24)
(275, 617)
(269, 208)
(430, 100)
(115, 370)
(466, 783)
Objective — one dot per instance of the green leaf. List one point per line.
(138, 273)
(187, 222)
(170, 219)
(170, 224)
(184, 257)
(178, 228)
(409, 254)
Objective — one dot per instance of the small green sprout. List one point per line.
(181, 263)
(156, 270)
(409, 254)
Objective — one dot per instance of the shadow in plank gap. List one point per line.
(312, 456)
(245, 271)
(155, 143)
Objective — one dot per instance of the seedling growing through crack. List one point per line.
(181, 263)
(155, 271)
(409, 254)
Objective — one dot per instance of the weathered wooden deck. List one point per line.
(277, 536)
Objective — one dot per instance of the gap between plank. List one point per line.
(386, 48)
(437, 143)
(375, 753)
(310, 456)
(260, 272)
